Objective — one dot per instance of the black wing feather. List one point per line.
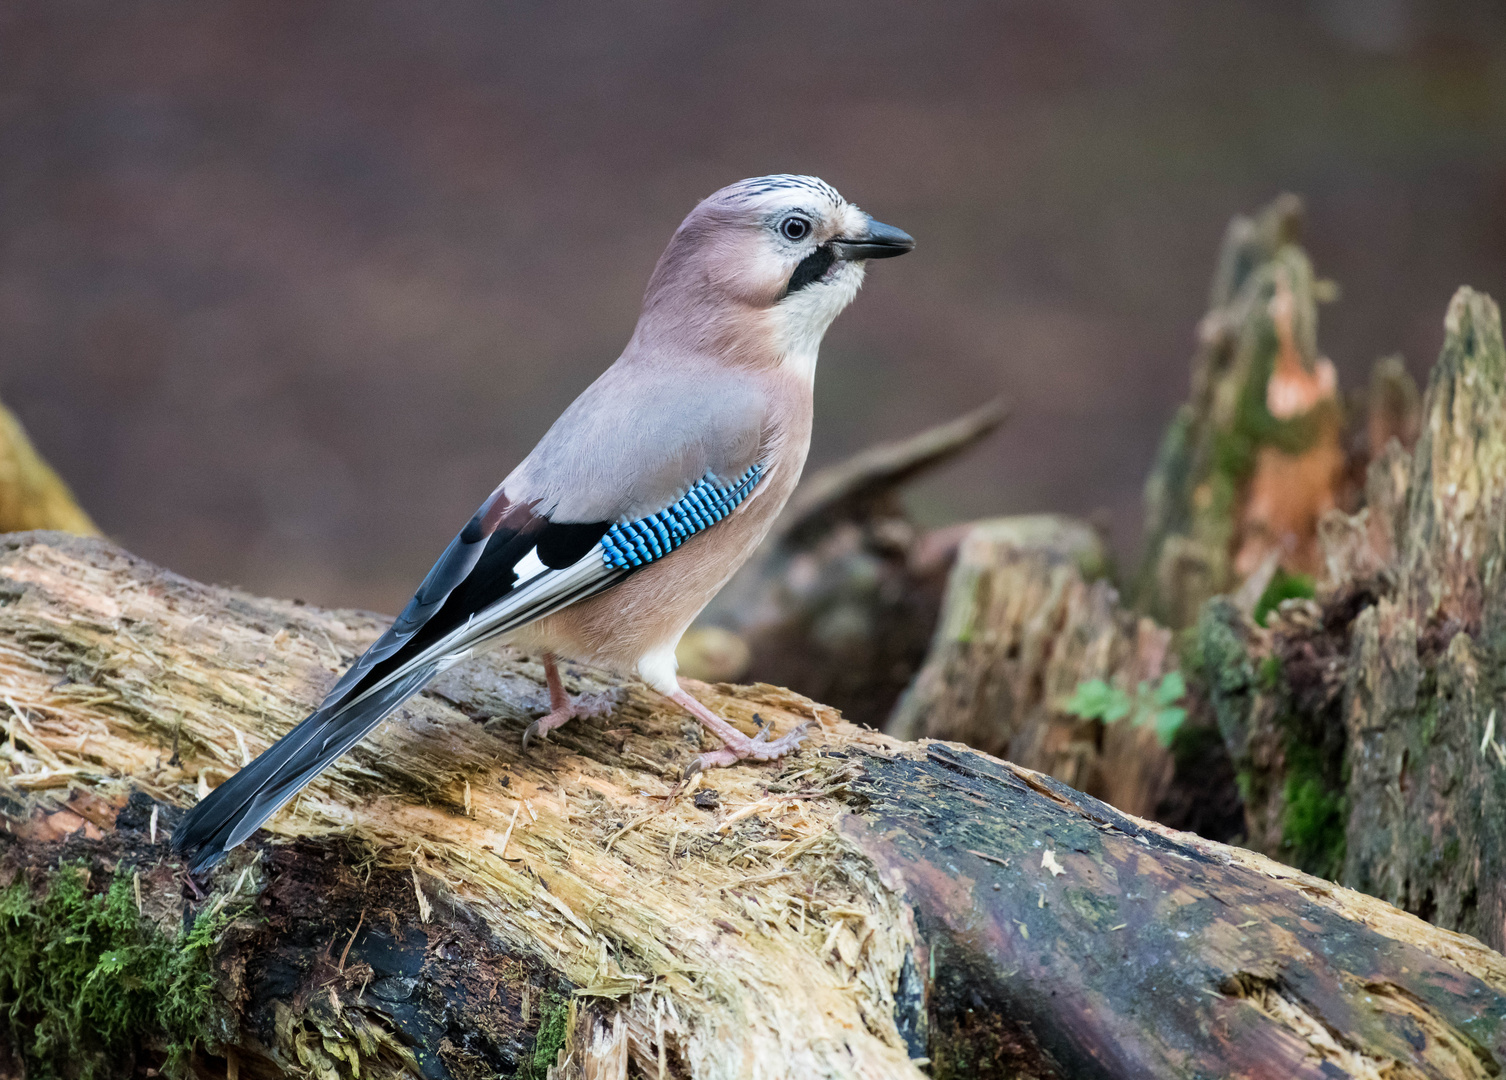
(474, 573)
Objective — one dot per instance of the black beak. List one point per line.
(879, 242)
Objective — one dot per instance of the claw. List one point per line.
(695, 766)
(531, 732)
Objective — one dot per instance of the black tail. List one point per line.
(235, 809)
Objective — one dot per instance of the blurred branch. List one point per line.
(32, 495)
(846, 489)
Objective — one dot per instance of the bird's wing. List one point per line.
(638, 463)
(613, 486)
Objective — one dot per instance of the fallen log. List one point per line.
(441, 904)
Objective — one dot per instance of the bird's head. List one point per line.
(772, 259)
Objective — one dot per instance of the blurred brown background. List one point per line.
(286, 288)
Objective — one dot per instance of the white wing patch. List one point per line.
(539, 591)
(529, 567)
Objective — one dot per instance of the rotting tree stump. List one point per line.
(1255, 457)
(440, 904)
(1367, 726)
(1028, 615)
(1027, 618)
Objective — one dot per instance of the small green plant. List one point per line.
(1157, 705)
(83, 977)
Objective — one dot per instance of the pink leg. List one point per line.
(561, 708)
(736, 746)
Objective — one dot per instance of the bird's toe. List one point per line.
(758, 748)
(764, 750)
(716, 759)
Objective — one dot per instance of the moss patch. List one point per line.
(83, 978)
(554, 1030)
(1280, 715)
(1312, 826)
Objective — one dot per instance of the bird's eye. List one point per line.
(794, 227)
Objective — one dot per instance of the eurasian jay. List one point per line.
(635, 507)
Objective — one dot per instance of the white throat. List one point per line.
(801, 320)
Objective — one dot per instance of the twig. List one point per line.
(988, 857)
(346, 951)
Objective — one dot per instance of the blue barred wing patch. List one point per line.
(640, 542)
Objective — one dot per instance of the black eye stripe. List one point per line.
(811, 268)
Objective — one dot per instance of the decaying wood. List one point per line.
(1256, 457)
(1393, 409)
(1367, 727)
(32, 495)
(857, 909)
(1028, 616)
(841, 599)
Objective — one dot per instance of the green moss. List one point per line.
(83, 978)
(554, 1030)
(1268, 675)
(1312, 826)
(1283, 586)
(1226, 671)
(1189, 650)
(1428, 725)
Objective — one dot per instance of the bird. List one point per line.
(637, 505)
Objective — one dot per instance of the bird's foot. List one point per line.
(541, 727)
(561, 708)
(735, 745)
(758, 748)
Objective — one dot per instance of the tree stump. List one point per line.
(1027, 617)
(439, 904)
(1255, 458)
(1365, 726)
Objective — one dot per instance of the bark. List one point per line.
(841, 600)
(1364, 725)
(32, 495)
(440, 904)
